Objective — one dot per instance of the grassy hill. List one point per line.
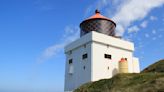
(150, 80)
(156, 67)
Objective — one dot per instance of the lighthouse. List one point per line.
(97, 53)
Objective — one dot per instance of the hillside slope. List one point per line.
(156, 67)
(147, 81)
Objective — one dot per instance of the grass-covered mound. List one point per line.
(156, 67)
(147, 81)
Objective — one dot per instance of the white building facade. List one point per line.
(95, 56)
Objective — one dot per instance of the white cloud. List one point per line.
(134, 10)
(71, 34)
(133, 29)
(120, 30)
(153, 18)
(126, 13)
(144, 24)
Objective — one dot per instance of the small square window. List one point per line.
(84, 67)
(107, 56)
(70, 61)
(84, 56)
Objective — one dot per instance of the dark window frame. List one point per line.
(84, 67)
(107, 56)
(85, 56)
(70, 61)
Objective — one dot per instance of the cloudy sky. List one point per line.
(33, 34)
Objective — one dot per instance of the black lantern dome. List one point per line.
(98, 23)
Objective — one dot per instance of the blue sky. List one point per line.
(34, 32)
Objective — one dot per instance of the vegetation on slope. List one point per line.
(156, 67)
(150, 80)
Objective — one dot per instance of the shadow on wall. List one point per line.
(115, 71)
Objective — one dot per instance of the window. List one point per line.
(70, 71)
(84, 67)
(107, 56)
(70, 61)
(84, 56)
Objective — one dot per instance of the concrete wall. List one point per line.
(136, 65)
(96, 66)
(100, 64)
(79, 75)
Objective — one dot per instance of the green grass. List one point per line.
(156, 67)
(150, 80)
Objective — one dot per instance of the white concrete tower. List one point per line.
(96, 54)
